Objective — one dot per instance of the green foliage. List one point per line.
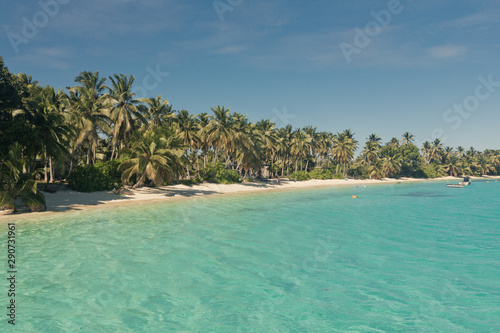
(110, 170)
(189, 182)
(321, 174)
(11, 129)
(338, 176)
(219, 174)
(91, 178)
(300, 175)
(16, 184)
(433, 171)
(361, 172)
(411, 161)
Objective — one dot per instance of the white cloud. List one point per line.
(446, 51)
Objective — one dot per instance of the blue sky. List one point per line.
(430, 67)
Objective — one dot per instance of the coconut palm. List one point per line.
(343, 149)
(452, 166)
(157, 112)
(300, 146)
(43, 111)
(220, 131)
(436, 150)
(407, 138)
(391, 165)
(156, 158)
(88, 106)
(187, 130)
(123, 110)
(16, 183)
(376, 170)
(375, 140)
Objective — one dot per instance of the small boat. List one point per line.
(455, 185)
(466, 181)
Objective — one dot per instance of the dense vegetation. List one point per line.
(97, 135)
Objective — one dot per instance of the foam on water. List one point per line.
(403, 257)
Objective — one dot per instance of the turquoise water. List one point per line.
(400, 258)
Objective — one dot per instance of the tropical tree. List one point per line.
(157, 111)
(16, 183)
(343, 150)
(154, 157)
(122, 110)
(220, 131)
(452, 166)
(407, 138)
(88, 107)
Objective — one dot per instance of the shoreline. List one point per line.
(67, 200)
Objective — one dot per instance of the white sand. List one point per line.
(71, 200)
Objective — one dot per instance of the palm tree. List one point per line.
(313, 146)
(343, 149)
(300, 146)
(187, 131)
(203, 120)
(391, 165)
(376, 170)
(375, 140)
(87, 103)
(16, 184)
(426, 151)
(407, 139)
(158, 159)
(158, 112)
(452, 166)
(123, 110)
(370, 153)
(43, 111)
(394, 142)
(219, 131)
(436, 150)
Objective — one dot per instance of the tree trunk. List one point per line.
(45, 165)
(140, 181)
(51, 166)
(88, 154)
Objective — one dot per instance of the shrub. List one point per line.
(102, 176)
(189, 182)
(338, 176)
(110, 170)
(433, 171)
(219, 174)
(300, 175)
(321, 174)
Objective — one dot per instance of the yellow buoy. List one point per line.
(354, 196)
(487, 182)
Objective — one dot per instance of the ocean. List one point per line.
(410, 257)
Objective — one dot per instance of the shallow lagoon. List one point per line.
(403, 257)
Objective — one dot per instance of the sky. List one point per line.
(429, 67)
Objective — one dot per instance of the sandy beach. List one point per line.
(65, 200)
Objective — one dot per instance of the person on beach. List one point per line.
(277, 180)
